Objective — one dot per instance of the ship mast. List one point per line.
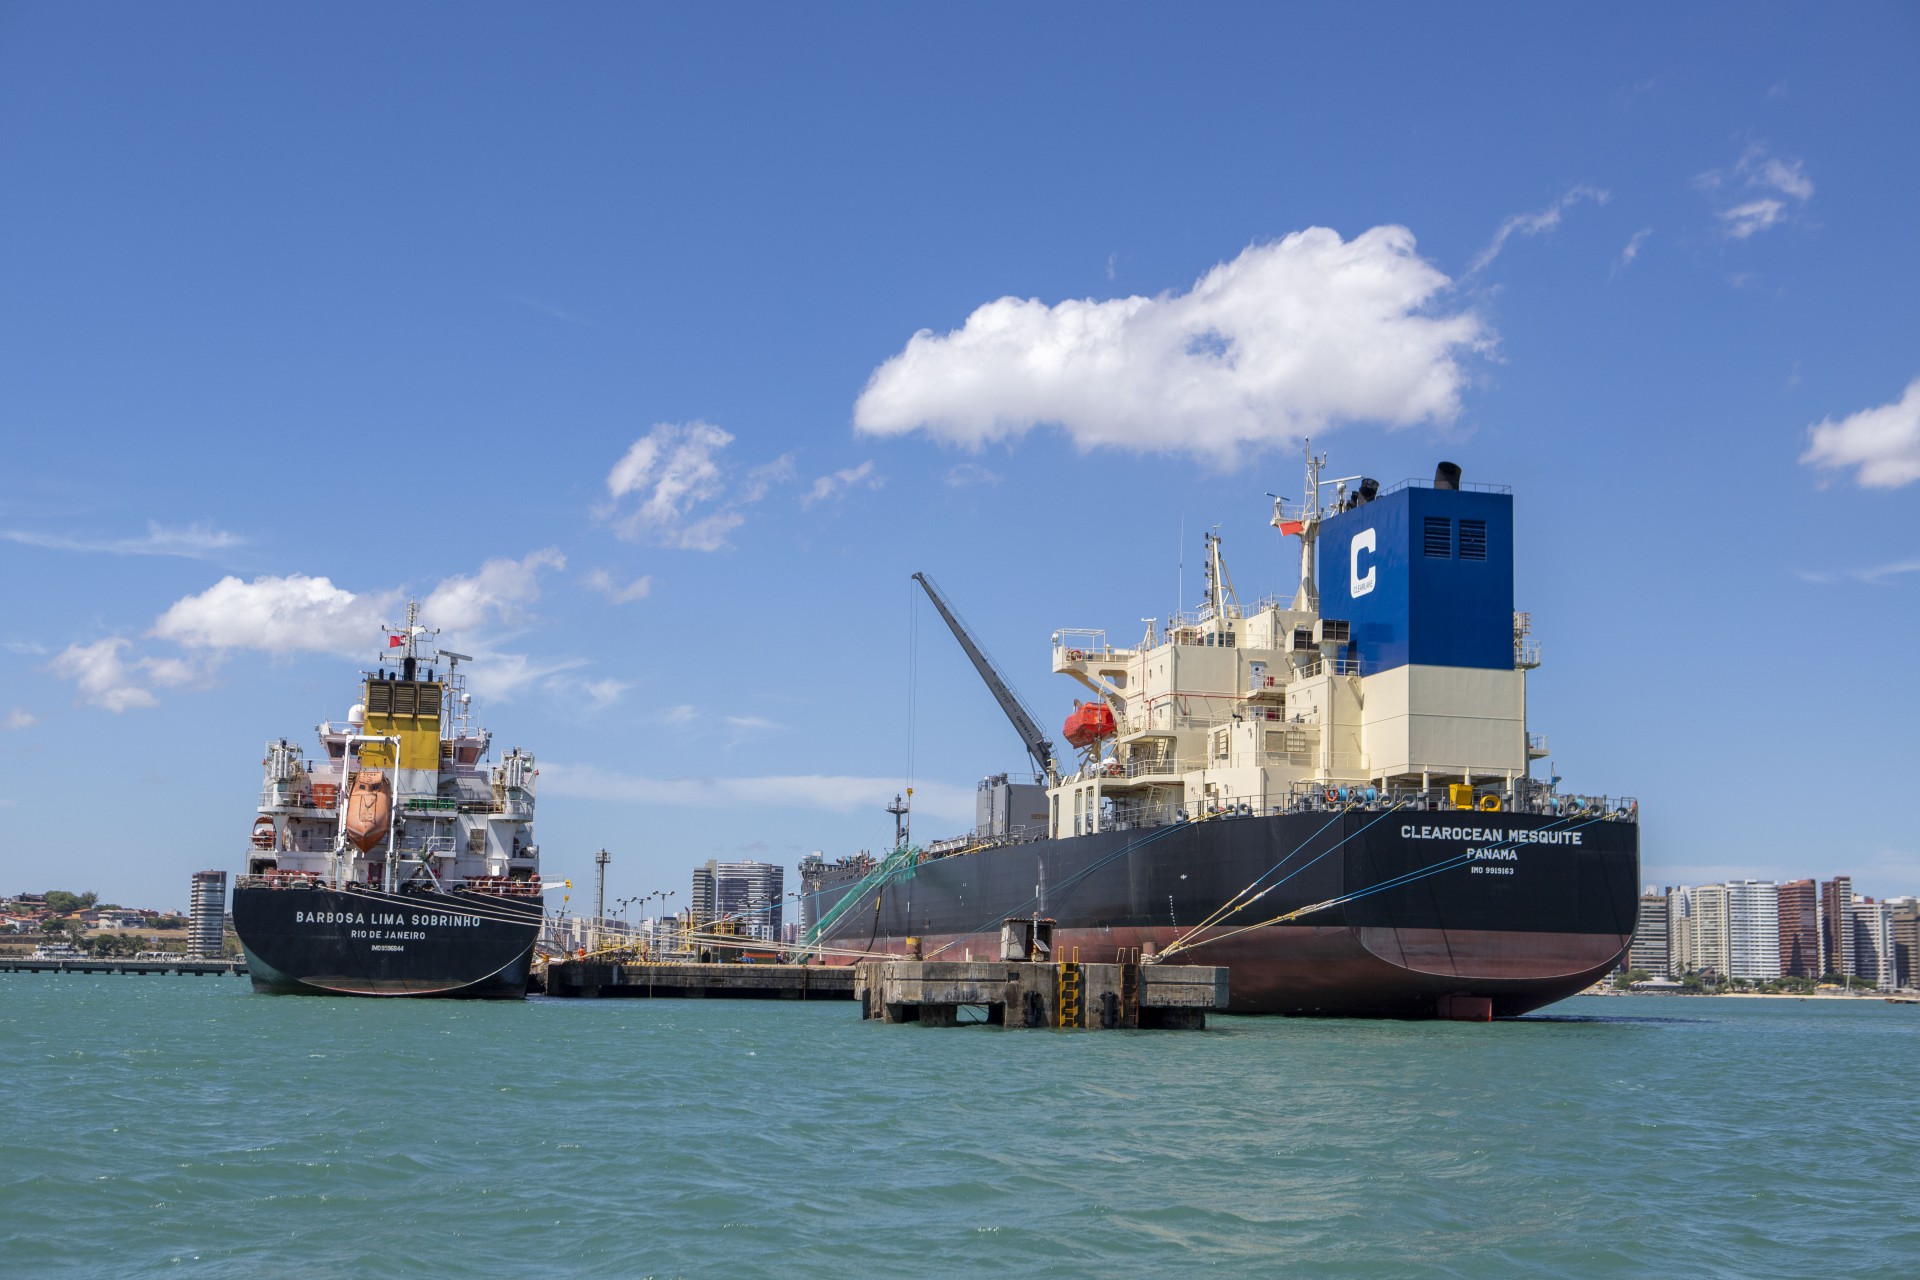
(1305, 521)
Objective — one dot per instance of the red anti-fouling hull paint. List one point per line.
(1516, 909)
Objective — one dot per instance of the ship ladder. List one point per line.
(1067, 1005)
(1129, 995)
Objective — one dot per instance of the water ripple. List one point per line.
(187, 1127)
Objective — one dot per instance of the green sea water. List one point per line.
(185, 1126)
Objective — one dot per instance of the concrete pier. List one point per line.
(591, 978)
(1017, 993)
(80, 964)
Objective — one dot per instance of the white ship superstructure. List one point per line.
(1245, 708)
(454, 818)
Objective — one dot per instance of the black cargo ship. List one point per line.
(363, 942)
(1524, 909)
(398, 861)
(1333, 798)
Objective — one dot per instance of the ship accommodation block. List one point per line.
(453, 813)
(1409, 673)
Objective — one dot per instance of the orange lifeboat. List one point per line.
(369, 809)
(1089, 723)
(263, 833)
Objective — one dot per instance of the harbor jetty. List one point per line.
(85, 964)
(1015, 993)
(591, 978)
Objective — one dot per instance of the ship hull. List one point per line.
(363, 942)
(1509, 911)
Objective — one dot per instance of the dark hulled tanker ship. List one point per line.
(399, 861)
(1332, 798)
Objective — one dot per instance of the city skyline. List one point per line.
(1759, 930)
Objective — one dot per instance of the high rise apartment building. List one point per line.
(1906, 940)
(1753, 930)
(753, 893)
(206, 915)
(1799, 923)
(1648, 950)
(1873, 955)
(1679, 929)
(1708, 944)
(1836, 926)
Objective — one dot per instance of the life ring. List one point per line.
(1333, 797)
(1490, 803)
(1074, 655)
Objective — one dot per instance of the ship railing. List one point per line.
(1328, 666)
(1535, 800)
(1426, 482)
(1137, 769)
(1077, 644)
(953, 845)
(285, 796)
(500, 886)
(279, 880)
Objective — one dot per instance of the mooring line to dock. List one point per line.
(1235, 903)
(1448, 864)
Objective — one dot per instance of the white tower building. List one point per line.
(1753, 929)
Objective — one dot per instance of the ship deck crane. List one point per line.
(1024, 724)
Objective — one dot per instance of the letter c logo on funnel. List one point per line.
(1359, 584)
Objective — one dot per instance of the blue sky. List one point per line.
(597, 327)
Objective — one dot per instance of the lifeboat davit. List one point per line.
(369, 809)
(263, 833)
(1089, 723)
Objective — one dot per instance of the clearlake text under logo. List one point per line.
(1359, 584)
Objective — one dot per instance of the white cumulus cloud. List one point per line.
(673, 486)
(301, 614)
(1882, 444)
(290, 614)
(1288, 338)
(497, 593)
(19, 718)
(104, 678)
